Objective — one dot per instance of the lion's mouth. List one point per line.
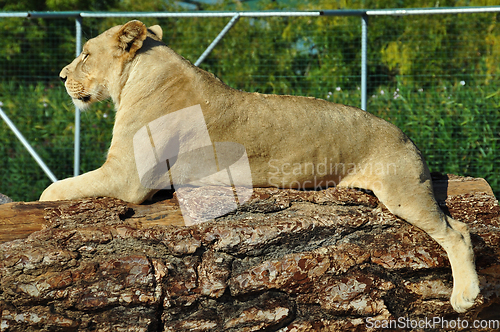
(85, 99)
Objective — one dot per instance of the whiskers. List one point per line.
(100, 96)
(83, 97)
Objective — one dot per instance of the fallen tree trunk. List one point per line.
(286, 260)
(19, 219)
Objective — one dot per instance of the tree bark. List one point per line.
(330, 260)
(19, 219)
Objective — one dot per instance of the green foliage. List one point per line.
(46, 119)
(434, 76)
(455, 126)
(56, 5)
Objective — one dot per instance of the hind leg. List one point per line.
(414, 201)
(408, 194)
(466, 286)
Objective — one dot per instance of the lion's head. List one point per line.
(94, 74)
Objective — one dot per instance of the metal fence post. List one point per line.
(76, 170)
(221, 35)
(28, 147)
(364, 28)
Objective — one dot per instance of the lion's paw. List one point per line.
(54, 192)
(463, 298)
(48, 195)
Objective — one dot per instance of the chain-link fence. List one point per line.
(434, 76)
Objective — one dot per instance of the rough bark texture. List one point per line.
(287, 260)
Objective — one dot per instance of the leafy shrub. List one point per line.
(434, 76)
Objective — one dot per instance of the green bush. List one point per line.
(45, 116)
(455, 126)
(450, 125)
(434, 76)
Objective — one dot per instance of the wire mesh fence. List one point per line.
(434, 76)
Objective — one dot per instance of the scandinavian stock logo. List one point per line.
(175, 151)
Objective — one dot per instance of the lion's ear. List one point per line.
(157, 31)
(131, 36)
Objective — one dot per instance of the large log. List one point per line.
(330, 260)
(20, 219)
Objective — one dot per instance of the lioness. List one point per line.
(281, 134)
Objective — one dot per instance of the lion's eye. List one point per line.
(85, 57)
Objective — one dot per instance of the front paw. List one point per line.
(53, 193)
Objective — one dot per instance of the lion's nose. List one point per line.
(62, 75)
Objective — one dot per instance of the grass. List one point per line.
(456, 126)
